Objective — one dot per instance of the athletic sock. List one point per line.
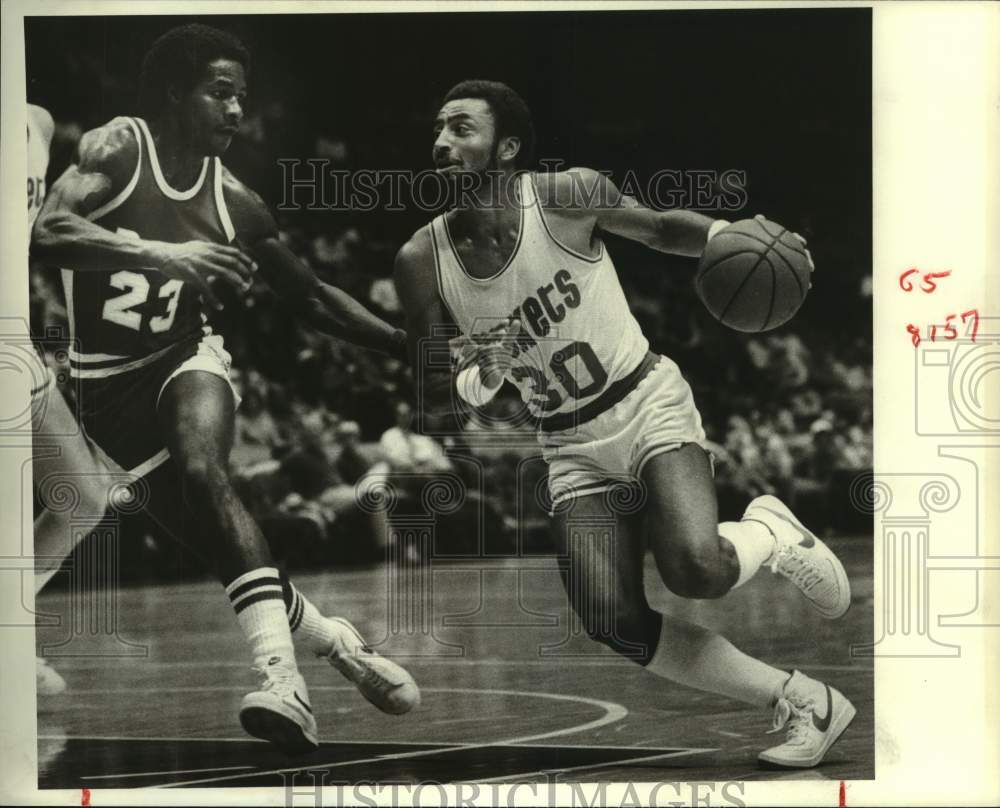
(260, 610)
(305, 621)
(699, 658)
(753, 544)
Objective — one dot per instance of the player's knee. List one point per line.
(204, 478)
(622, 626)
(692, 575)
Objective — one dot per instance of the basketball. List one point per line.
(753, 275)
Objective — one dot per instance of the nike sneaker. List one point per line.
(814, 715)
(384, 683)
(802, 558)
(280, 711)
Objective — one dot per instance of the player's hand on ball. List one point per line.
(494, 357)
(201, 263)
(812, 267)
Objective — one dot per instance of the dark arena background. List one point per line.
(755, 112)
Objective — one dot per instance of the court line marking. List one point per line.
(772, 775)
(250, 739)
(506, 663)
(173, 771)
(612, 712)
(609, 764)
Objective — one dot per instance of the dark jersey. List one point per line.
(124, 319)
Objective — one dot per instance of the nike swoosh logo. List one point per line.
(309, 709)
(807, 539)
(824, 724)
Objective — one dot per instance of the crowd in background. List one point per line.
(787, 412)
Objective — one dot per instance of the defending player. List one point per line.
(524, 251)
(60, 451)
(143, 227)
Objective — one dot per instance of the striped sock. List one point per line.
(305, 620)
(256, 597)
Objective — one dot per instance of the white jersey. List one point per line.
(38, 160)
(579, 335)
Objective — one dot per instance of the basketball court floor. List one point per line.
(512, 692)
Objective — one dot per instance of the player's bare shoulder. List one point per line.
(414, 268)
(111, 150)
(576, 192)
(417, 253)
(107, 160)
(251, 217)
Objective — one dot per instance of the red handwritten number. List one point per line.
(927, 284)
(928, 279)
(85, 798)
(974, 314)
(949, 328)
(914, 334)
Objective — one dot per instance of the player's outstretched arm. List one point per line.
(591, 194)
(427, 336)
(324, 307)
(64, 236)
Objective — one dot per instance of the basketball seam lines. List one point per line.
(777, 239)
(736, 293)
(725, 311)
(794, 274)
(774, 291)
(725, 258)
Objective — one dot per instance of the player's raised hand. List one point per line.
(812, 267)
(495, 356)
(202, 263)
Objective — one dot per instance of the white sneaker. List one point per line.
(384, 683)
(802, 558)
(280, 711)
(48, 682)
(815, 715)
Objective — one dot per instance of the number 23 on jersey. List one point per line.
(120, 309)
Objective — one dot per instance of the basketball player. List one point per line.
(143, 227)
(520, 267)
(61, 452)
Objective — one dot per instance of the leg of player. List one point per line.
(604, 584)
(603, 576)
(700, 558)
(196, 415)
(67, 470)
(381, 681)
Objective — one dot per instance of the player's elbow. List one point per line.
(302, 288)
(315, 312)
(50, 233)
(677, 234)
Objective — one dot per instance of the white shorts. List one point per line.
(612, 448)
(211, 357)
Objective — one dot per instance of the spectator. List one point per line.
(408, 451)
(256, 436)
